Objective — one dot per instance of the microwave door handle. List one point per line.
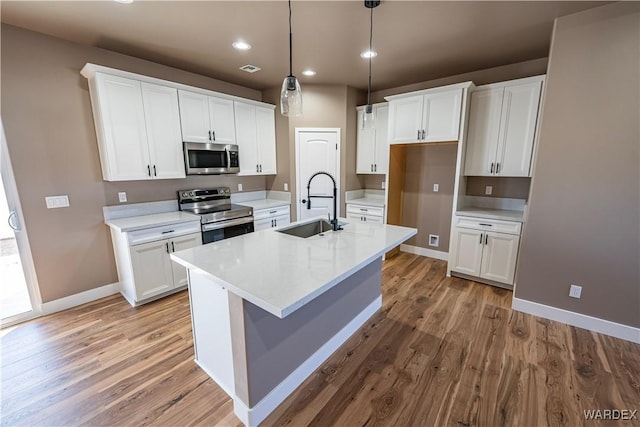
(228, 158)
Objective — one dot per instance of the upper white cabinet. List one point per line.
(426, 116)
(206, 119)
(137, 127)
(256, 139)
(503, 119)
(372, 145)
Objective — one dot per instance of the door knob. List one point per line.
(304, 200)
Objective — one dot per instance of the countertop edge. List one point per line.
(126, 229)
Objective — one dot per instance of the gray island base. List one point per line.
(260, 340)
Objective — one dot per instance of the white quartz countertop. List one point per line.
(265, 203)
(141, 222)
(280, 273)
(368, 201)
(502, 214)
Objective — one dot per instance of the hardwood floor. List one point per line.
(441, 352)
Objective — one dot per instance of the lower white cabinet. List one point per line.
(145, 270)
(271, 218)
(365, 213)
(487, 249)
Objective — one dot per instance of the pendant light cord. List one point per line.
(290, 44)
(370, 46)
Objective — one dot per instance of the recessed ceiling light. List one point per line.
(241, 45)
(369, 54)
(309, 73)
(124, 1)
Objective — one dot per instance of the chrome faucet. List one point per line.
(334, 222)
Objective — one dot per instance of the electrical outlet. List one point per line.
(436, 188)
(286, 187)
(382, 185)
(488, 190)
(54, 202)
(239, 187)
(575, 291)
(434, 240)
(122, 197)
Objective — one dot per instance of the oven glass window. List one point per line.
(226, 233)
(200, 159)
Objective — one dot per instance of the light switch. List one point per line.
(54, 202)
(436, 188)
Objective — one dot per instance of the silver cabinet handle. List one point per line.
(14, 226)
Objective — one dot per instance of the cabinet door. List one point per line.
(355, 217)
(482, 135)
(263, 224)
(366, 142)
(441, 114)
(381, 157)
(152, 273)
(405, 119)
(281, 220)
(499, 257)
(246, 133)
(222, 120)
(373, 219)
(162, 118)
(266, 138)
(194, 116)
(518, 128)
(178, 244)
(124, 149)
(466, 256)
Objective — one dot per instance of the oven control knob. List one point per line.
(192, 194)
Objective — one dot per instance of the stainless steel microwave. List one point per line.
(210, 159)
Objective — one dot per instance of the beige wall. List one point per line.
(50, 133)
(514, 188)
(428, 211)
(584, 212)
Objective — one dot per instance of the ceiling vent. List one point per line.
(250, 68)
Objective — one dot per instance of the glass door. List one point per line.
(19, 298)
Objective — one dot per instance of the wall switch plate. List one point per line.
(54, 202)
(575, 291)
(122, 197)
(239, 187)
(488, 190)
(382, 185)
(434, 240)
(286, 187)
(436, 188)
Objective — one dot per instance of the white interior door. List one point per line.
(317, 150)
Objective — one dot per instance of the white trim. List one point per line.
(431, 253)
(253, 416)
(463, 85)
(584, 321)
(300, 188)
(80, 298)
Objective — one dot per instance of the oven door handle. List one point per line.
(225, 224)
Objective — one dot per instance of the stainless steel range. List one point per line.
(220, 218)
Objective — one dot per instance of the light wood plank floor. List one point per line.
(441, 352)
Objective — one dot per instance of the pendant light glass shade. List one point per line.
(290, 94)
(291, 97)
(368, 117)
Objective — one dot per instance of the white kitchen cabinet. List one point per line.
(503, 118)
(426, 116)
(137, 128)
(145, 271)
(270, 218)
(365, 213)
(206, 119)
(487, 249)
(372, 147)
(256, 139)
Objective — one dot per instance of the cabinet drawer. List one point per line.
(259, 214)
(164, 232)
(364, 210)
(508, 227)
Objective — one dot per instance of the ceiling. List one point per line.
(415, 40)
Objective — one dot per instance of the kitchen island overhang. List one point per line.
(268, 308)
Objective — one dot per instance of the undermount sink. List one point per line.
(307, 229)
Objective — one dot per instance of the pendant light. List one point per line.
(290, 94)
(368, 121)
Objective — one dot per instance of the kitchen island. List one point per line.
(269, 308)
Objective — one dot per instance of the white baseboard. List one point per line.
(590, 323)
(80, 298)
(254, 416)
(431, 253)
